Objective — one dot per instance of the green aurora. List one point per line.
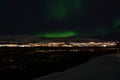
(60, 9)
(100, 30)
(116, 25)
(58, 34)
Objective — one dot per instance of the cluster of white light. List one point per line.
(94, 44)
(13, 45)
(62, 44)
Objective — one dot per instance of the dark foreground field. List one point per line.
(105, 67)
(32, 65)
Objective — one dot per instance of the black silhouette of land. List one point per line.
(26, 63)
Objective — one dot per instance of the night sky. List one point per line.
(60, 17)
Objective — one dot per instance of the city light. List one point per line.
(62, 44)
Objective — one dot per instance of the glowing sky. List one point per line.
(116, 24)
(58, 34)
(61, 9)
(88, 18)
